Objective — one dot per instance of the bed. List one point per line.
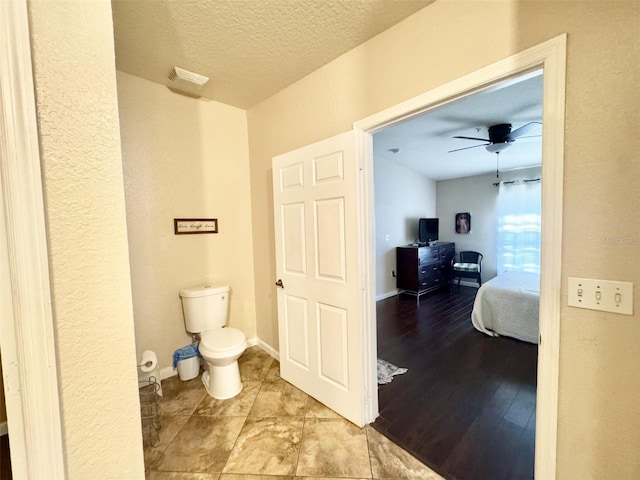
(508, 305)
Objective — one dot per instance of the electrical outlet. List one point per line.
(604, 295)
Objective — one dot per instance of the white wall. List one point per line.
(478, 196)
(77, 107)
(401, 197)
(184, 158)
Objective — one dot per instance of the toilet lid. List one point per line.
(222, 339)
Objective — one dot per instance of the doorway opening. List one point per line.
(467, 393)
(550, 58)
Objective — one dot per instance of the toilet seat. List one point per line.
(221, 340)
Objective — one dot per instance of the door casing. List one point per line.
(550, 56)
(26, 318)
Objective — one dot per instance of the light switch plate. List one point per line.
(604, 295)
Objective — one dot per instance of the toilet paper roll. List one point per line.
(148, 361)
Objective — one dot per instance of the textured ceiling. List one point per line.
(250, 49)
(425, 140)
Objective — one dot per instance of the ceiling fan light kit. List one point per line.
(497, 147)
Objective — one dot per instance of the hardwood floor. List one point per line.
(467, 405)
(5, 459)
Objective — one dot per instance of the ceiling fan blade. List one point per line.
(474, 138)
(467, 148)
(525, 129)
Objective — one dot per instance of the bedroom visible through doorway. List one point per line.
(436, 165)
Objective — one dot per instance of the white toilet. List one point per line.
(205, 313)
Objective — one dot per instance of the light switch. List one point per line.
(604, 295)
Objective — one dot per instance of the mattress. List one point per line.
(509, 305)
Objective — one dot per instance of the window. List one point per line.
(519, 214)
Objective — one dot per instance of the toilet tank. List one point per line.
(205, 307)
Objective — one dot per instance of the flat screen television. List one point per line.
(428, 230)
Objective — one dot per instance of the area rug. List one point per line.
(386, 371)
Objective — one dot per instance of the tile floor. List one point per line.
(270, 431)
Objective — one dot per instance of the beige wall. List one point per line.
(74, 73)
(402, 196)
(184, 158)
(599, 383)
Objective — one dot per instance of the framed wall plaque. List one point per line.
(190, 226)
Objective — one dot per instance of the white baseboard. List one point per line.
(268, 348)
(384, 296)
(3, 428)
(168, 372)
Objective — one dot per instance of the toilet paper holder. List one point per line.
(148, 364)
(148, 361)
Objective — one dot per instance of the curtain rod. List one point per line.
(514, 181)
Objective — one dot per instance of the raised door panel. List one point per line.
(328, 168)
(296, 319)
(293, 238)
(330, 240)
(332, 345)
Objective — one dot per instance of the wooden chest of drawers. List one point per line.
(423, 269)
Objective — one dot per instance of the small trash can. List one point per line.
(187, 361)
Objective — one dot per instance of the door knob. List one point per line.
(279, 283)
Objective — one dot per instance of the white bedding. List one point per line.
(508, 305)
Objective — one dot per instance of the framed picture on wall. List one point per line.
(463, 222)
(189, 226)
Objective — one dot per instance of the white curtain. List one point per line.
(519, 213)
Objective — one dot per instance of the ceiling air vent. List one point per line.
(185, 81)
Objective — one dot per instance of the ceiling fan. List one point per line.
(500, 137)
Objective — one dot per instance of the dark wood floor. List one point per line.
(467, 405)
(5, 458)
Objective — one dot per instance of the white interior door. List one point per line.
(319, 301)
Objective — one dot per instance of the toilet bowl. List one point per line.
(221, 349)
(205, 313)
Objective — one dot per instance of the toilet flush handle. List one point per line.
(279, 283)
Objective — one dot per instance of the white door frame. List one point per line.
(26, 321)
(551, 57)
